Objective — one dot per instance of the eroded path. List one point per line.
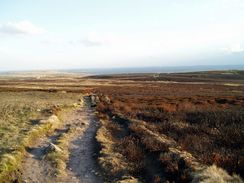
(81, 167)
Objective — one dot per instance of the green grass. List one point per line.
(60, 158)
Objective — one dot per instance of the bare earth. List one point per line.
(81, 167)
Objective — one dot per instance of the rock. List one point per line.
(75, 105)
(81, 102)
(52, 147)
(107, 100)
(94, 100)
(128, 179)
(97, 99)
(52, 119)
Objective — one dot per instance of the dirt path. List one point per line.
(81, 167)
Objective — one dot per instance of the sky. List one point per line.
(73, 34)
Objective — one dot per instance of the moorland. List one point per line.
(178, 127)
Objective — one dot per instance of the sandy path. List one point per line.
(81, 167)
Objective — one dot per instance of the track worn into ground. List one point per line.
(81, 166)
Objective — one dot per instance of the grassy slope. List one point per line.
(20, 123)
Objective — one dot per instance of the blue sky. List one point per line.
(61, 34)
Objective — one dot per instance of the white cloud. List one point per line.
(235, 48)
(94, 39)
(22, 27)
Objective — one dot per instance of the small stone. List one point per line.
(53, 147)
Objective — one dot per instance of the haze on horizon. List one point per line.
(62, 34)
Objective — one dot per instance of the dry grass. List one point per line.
(110, 160)
(214, 174)
(117, 157)
(25, 117)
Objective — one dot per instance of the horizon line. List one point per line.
(130, 68)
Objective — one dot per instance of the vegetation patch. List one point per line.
(110, 160)
(26, 116)
(176, 131)
(11, 163)
(59, 157)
